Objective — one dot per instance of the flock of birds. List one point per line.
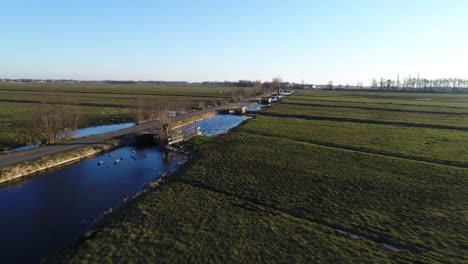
(133, 156)
(161, 175)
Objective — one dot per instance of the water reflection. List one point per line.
(219, 124)
(44, 213)
(84, 132)
(24, 147)
(257, 107)
(90, 131)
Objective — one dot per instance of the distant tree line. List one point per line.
(275, 86)
(240, 83)
(405, 84)
(417, 84)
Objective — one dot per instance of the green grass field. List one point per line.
(434, 145)
(100, 103)
(111, 94)
(181, 223)
(379, 106)
(405, 99)
(279, 189)
(370, 116)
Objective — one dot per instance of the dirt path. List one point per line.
(76, 143)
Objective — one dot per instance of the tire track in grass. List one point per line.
(395, 241)
(279, 210)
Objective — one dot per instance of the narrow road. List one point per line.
(79, 142)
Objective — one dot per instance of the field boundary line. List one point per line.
(357, 102)
(450, 163)
(362, 121)
(375, 108)
(81, 104)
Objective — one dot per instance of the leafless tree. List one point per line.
(55, 117)
(152, 109)
(418, 84)
(160, 109)
(221, 101)
(259, 88)
(277, 84)
(139, 110)
(238, 94)
(182, 106)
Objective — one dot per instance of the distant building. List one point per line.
(305, 86)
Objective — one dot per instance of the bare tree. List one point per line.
(182, 106)
(139, 110)
(70, 118)
(55, 117)
(259, 88)
(418, 84)
(154, 109)
(161, 109)
(221, 101)
(277, 84)
(238, 94)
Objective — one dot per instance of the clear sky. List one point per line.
(314, 41)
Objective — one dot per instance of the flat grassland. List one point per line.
(99, 103)
(284, 187)
(381, 116)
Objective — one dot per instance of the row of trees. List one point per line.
(418, 84)
(238, 94)
(275, 86)
(259, 88)
(240, 83)
(159, 109)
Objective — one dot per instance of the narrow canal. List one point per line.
(84, 132)
(219, 124)
(45, 212)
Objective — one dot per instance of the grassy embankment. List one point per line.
(24, 168)
(99, 104)
(277, 189)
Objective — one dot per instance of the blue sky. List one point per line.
(314, 41)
